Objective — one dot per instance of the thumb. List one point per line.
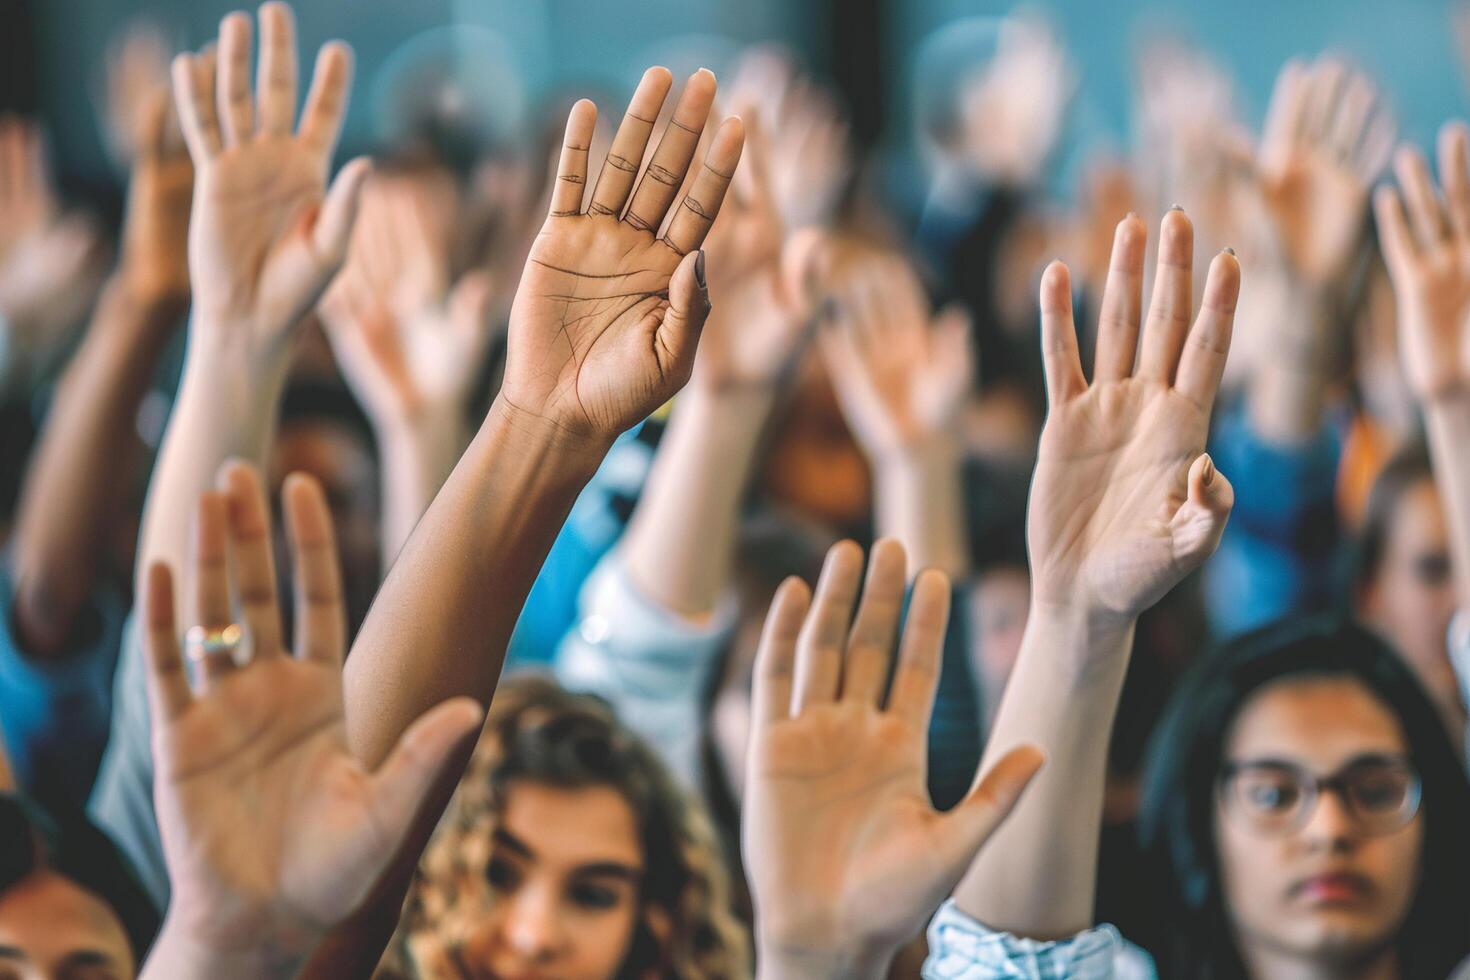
(678, 334)
(418, 760)
(333, 227)
(1201, 521)
(989, 802)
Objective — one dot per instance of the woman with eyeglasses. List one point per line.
(1305, 813)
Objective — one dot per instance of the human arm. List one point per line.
(900, 380)
(253, 897)
(1124, 504)
(846, 856)
(1428, 256)
(71, 489)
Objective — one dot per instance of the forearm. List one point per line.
(80, 468)
(1036, 876)
(226, 407)
(1448, 423)
(440, 623)
(417, 453)
(920, 501)
(679, 545)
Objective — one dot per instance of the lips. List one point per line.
(1333, 888)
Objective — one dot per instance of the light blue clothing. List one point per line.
(1281, 551)
(54, 712)
(960, 948)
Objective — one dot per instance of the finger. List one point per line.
(326, 102)
(1351, 119)
(1170, 308)
(1200, 522)
(677, 336)
(991, 800)
(1063, 364)
(1203, 362)
(952, 340)
(321, 619)
(615, 181)
(251, 562)
(153, 131)
(870, 645)
(168, 683)
(236, 111)
(1425, 215)
(1284, 117)
(660, 182)
(276, 82)
(1326, 89)
(194, 94)
(819, 647)
(775, 660)
(1454, 174)
(1122, 304)
(691, 222)
(571, 170)
(1377, 146)
(209, 579)
(332, 232)
(440, 737)
(917, 676)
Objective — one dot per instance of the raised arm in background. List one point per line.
(410, 342)
(79, 471)
(273, 832)
(1428, 255)
(846, 855)
(1124, 504)
(901, 380)
(265, 237)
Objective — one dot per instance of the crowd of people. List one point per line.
(650, 552)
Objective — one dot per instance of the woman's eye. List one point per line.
(589, 896)
(1271, 796)
(502, 875)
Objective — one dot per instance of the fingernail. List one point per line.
(699, 269)
(1130, 214)
(1209, 476)
(1228, 250)
(1176, 207)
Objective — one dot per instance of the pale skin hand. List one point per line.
(846, 855)
(269, 739)
(600, 331)
(1124, 504)
(266, 234)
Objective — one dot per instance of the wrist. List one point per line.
(847, 961)
(1083, 636)
(178, 952)
(544, 436)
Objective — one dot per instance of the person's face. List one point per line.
(565, 867)
(999, 603)
(1412, 598)
(1326, 893)
(814, 465)
(52, 929)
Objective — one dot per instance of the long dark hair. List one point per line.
(1177, 817)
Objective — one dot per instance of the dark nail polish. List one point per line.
(1228, 250)
(1176, 207)
(699, 269)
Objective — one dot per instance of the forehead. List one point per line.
(569, 828)
(1322, 722)
(49, 917)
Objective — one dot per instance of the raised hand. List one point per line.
(266, 234)
(1327, 138)
(1124, 502)
(846, 855)
(155, 261)
(900, 378)
(137, 67)
(1428, 256)
(273, 832)
(605, 323)
(407, 341)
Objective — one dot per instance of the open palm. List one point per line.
(273, 832)
(605, 323)
(1428, 255)
(1123, 503)
(265, 236)
(844, 849)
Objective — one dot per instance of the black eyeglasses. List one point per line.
(1274, 798)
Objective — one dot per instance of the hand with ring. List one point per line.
(272, 831)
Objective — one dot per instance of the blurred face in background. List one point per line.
(814, 466)
(1411, 597)
(1313, 885)
(53, 929)
(566, 867)
(999, 603)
